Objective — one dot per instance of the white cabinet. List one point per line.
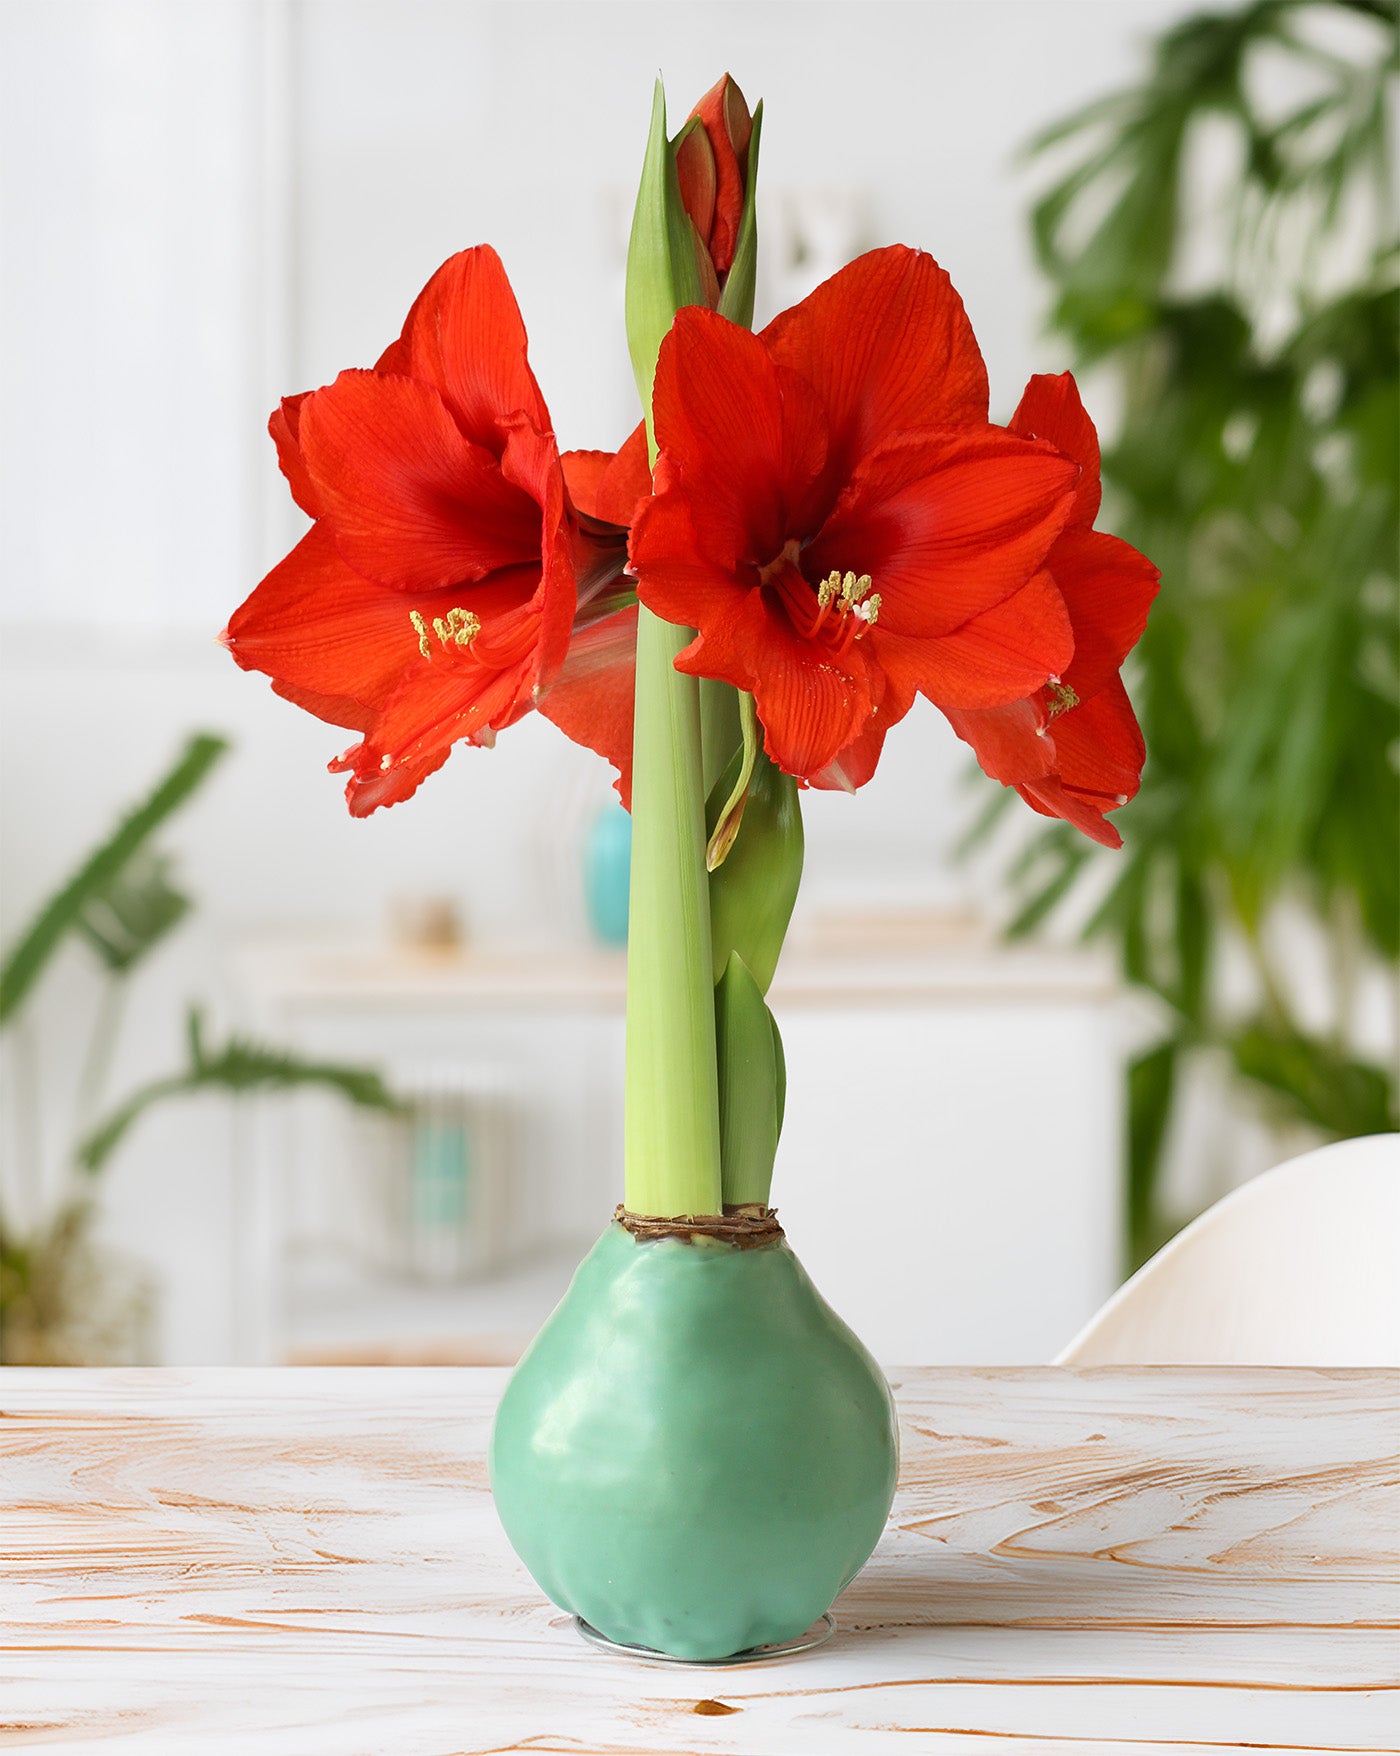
(950, 1170)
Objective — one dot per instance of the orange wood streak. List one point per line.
(307, 1561)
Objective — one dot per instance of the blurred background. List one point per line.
(282, 1086)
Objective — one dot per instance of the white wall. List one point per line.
(208, 203)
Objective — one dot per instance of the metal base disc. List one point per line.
(817, 1635)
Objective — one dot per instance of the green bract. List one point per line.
(662, 273)
(752, 893)
(736, 301)
(752, 1086)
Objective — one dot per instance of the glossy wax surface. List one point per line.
(695, 1454)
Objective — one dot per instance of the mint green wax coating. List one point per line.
(695, 1454)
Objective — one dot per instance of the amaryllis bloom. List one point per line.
(712, 167)
(436, 595)
(840, 523)
(1073, 748)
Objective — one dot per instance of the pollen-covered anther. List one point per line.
(1062, 697)
(458, 627)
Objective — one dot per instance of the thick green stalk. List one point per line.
(672, 1108)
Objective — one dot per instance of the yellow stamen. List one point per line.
(1062, 697)
(867, 610)
(458, 628)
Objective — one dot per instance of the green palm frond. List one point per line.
(121, 915)
(237, 1067)
(1257, 462)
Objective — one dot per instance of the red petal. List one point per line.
(583, 470)
(674, 577)
(283, 424)
(390, 786)
(855, 765)
(318, 628)
(1099, 754)
(728, 127)
(994, 660)
(1010, 742)
(607, 485)
(1099, 747)
(947, 523)
(465, 337)
(411, 502)
(1051, 799)
(698, 179)
(812, 706)
(745, 439)
(887, 346)
(436, 705)
(591, 698)
(530, 462)
(1108, 588)
(1051, 409)
(626, 480)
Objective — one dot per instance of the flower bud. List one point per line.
(712, 163)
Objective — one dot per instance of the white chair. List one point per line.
(1298, 1267)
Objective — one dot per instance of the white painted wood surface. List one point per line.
(306, 1563)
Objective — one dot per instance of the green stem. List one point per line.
(672, 1103)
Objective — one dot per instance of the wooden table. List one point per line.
(306, 1563)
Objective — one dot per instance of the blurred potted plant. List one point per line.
(1256, 459)
(64, 1298)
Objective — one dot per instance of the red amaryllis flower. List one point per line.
(435, 596)
(839, 522)
(712, 167)
(1073, 748)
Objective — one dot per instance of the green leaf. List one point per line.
(240, 1066)
(753, 892)
(63, 912)
(662, 269)
(1258, 467)
(752, 1085)
(1151, 1088)
(736, 301)
(1311, 1080)
(134, 912)
(737, 776)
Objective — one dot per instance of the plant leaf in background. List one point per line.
(123, 902)
(94, 900)
(239, 1066)
(1256, 462)
(134, 912)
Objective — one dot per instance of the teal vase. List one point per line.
(607, 873)
(695, 1454)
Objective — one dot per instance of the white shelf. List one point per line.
(882, 970)
(338, 1313)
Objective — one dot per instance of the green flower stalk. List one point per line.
(689, 247)
(672, 1162)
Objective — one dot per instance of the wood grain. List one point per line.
(306, 1563)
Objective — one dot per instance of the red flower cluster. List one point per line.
(839, 521)
(832, 512)
(458, 572)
